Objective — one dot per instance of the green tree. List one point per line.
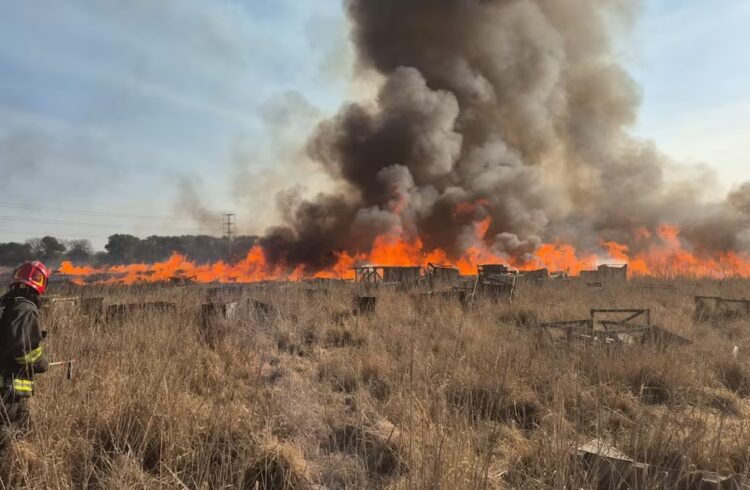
(47, 249)
(123, 248)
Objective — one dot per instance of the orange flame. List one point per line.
(661, 253)
(664, 254)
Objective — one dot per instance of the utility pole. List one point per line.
(229, 223)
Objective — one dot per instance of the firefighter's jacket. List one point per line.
(21, 351)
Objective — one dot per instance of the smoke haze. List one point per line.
(510, 110)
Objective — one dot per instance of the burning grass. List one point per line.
(404, 397)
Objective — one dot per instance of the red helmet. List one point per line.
(32, 274)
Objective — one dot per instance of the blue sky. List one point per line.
(115, 114)
(692, 61)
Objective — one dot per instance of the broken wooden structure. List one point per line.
(606, 274)
(496, 282)
(60, 304)
(559, 276)
(538, 276)
(216, 319)
(708, 308)
(403, 277)
(441, 275)
(608, 467)
(73, 305)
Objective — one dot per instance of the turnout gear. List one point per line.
(32, 274)
(21, 350)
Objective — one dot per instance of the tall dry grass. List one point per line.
(420, 394)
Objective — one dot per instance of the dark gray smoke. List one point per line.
(516, 110)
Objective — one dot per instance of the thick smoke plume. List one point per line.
(514, 110)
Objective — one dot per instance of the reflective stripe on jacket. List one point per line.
(30, 357)
(23, 387)
(19, 387)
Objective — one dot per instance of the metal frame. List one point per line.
(701, 304)
(368, 274)
(634, 313)
(612, 330)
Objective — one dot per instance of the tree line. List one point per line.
(124, 249)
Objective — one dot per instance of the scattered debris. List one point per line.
(613, 469)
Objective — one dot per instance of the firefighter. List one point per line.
(21, 353)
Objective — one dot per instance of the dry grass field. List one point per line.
(420, 394)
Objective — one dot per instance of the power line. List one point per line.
(230, 221)
(82, 212)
